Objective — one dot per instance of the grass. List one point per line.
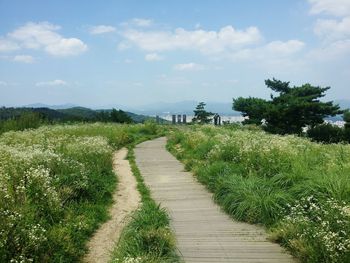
(148, 237)
(298, 189)
(56, 184)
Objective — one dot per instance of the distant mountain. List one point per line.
(344, 104)
(49, 114)
(89, 114)
(80, 112)
(54, 107)
(184, 107)
(67, 114)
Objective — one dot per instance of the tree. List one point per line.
(346, 118)
(290, 110)
(201, 115)
(120, 116)
(254, 108)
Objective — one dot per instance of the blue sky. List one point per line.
(95, 53)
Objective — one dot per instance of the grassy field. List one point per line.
(298, 189)
(55, 187)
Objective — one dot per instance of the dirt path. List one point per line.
(126, 200)
(204, 233)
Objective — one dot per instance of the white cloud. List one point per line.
(330, 7)
(128, 61)
(101, 29)
(153, 57)
(334, 50)
(227, 38)
(142, 22)
(334, 32)
(284, 48)
(24, 59)
(3, 83)
(123, 46)
(189, 67)
(173, 81)
(137, 84)
(56, 82)
(66, 47)
(270, 51)
(7, 45)
(332, 29)
(138, 22)
(44, 36)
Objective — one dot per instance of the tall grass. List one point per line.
(283, 182)
(148, 237)
(56, 183)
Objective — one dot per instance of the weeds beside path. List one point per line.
(126, 200)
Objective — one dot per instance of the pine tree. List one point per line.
(201, 115)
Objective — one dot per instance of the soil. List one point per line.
(126, 200)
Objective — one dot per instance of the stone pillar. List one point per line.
(179, 119)
(219, 121)
(184, 120)
(174, 119)
(215, 119)
(157, 119)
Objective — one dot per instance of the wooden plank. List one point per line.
(204, 233)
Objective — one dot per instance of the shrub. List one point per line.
(326, 133)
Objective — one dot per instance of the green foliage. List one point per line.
(119, 116)
(24, 121)
(201, 115)
(46, 113)
(148, 237)
(75, 114)
(259, 178)
(346, 118)
(290, 111)
(56, 183)
(326, 133)
(253, 108)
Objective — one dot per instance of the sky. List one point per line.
(97, 53)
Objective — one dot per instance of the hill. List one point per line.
(69, 114)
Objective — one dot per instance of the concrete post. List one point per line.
(215, 119)
(179, 119)
(157, 119)
(184, 120)
(174, 119)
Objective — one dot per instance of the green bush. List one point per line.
(326, 133)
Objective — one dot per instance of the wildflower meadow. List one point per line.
(55, 187)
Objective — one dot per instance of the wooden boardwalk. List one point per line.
(203, 232)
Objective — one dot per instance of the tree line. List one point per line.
(17, 119)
